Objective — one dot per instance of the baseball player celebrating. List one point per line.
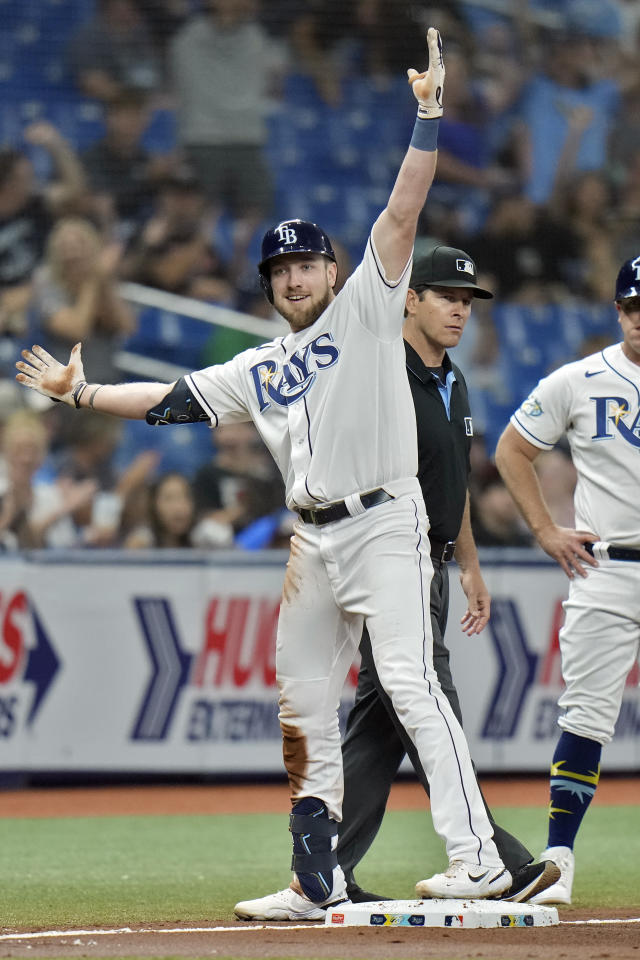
(596, 402)
(332, 402)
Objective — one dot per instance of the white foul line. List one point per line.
(47, 934)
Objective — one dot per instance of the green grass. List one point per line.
(128, 870)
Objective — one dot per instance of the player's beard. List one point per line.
(299, 318)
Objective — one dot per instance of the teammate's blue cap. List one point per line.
(628, 281)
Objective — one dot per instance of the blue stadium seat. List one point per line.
(184, 448)
(164, 335)
(161, 135)
(491, 412)
(78, 119)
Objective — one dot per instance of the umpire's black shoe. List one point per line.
(357, 895)
(531, 879)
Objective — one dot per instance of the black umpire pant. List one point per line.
(375, 744)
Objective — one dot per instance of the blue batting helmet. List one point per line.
(628, 282)
(291, 236)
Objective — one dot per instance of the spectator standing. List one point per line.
(123, 176)
(114, 50)
(223, 68)
(570, 80)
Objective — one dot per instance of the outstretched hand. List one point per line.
(43, 373)
(427, 86)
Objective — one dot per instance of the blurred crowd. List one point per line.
(538, 179)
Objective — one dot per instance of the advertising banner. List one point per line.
(120, 662)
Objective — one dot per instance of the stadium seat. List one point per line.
(184, 448)
(164, 335)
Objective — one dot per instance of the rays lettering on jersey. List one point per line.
(289, 383)
(610, 412)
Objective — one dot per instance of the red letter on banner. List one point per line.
(12, 638)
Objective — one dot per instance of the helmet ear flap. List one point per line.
(267, 289)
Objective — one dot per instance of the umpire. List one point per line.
(441, 291)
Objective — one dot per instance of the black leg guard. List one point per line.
(314, 848)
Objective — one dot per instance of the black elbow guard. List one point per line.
(179, 406)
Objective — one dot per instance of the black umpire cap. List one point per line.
(444, 266)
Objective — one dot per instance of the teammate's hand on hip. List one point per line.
(427, 86)
(566, 546)
(43, 373)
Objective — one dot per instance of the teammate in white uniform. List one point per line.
(596, 402)
(332, 402)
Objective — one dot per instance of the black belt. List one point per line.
(338, 511)
(442, 551)
(616, 553)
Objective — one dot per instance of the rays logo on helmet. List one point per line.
(465, 266)
(635, 264)
(286, 234)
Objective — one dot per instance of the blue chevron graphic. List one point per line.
(171, 668)
(517, 670)
(42, 666)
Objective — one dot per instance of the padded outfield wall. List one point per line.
(163, 664)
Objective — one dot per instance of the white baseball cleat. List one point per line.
(285, 905)
(560, 891)
(466, 881)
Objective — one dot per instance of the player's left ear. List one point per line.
(332, 273)
(618, 309)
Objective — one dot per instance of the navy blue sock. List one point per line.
(317, 881)
(575, 771)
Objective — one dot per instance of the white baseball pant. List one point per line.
(599, 643)
(374, 567)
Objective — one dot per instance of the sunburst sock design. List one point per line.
(575, 772)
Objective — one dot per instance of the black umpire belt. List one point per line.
(338, 511)
(442, 551)
(607, 551)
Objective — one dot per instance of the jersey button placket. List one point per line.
(300, 456)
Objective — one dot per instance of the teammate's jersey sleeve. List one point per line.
(544, 416)
(221, 390)
(378, 302)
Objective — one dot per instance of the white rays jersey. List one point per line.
(331, 402)
(596, 402)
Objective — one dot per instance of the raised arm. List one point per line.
(43, 373)
(395, 229)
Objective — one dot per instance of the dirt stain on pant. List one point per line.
(296, 758)
(291, 586)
